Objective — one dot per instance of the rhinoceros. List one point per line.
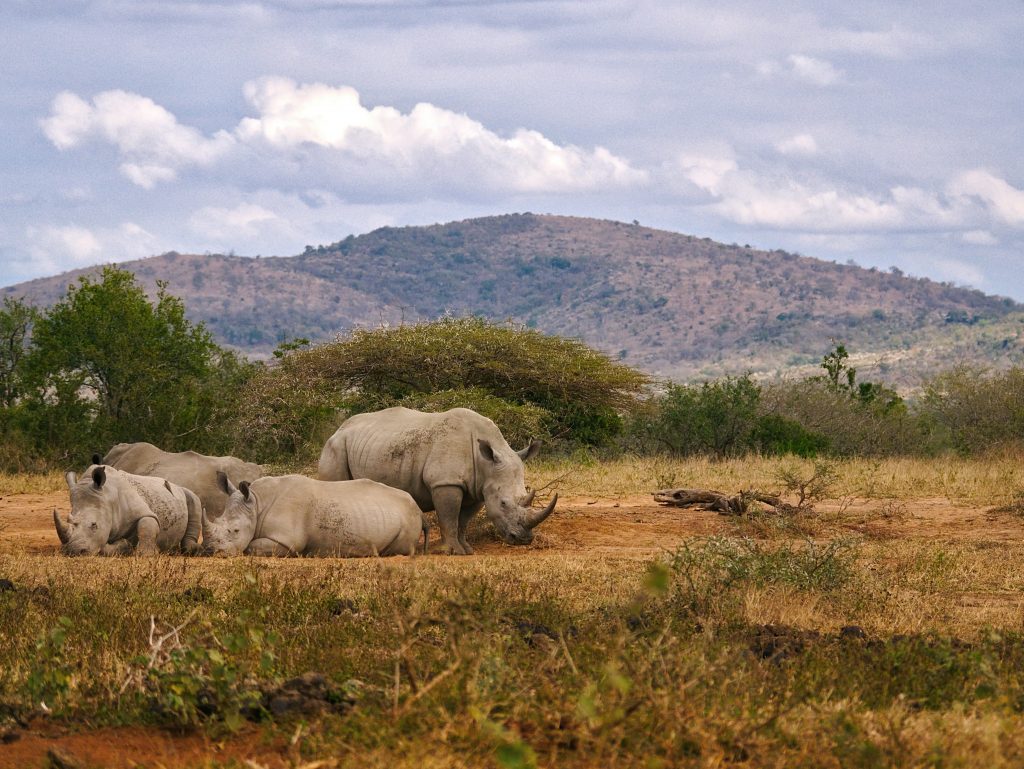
(453, 462)
(113, 512)
(197, 472)
(296, 515)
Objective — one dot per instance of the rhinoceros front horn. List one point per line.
(538, 518)
(62, 531)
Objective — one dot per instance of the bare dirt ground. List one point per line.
(630, 527)
(627, 526)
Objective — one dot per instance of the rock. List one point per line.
(339, 606)
(852, 631)
(778, 642)
(309, 694)
(58, 758)
(197, 594)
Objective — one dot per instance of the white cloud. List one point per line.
(779, 199)
(800, 144)
(747, 198)
(54, 248)
(245, 220)
(429, 145)
(980, 238)
(152, 144)
(959, 272)
(811, 70)
(895, 41)
(707, 171)
(292, 115)
(1002, 198)
(75, 243)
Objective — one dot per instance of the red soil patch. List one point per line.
(124, 747)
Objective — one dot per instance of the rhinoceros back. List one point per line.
(409, 450)
(196, 472)
(337, 518)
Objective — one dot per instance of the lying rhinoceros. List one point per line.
(295, 515)
(114, 512)
(197, 472)
(453, 462)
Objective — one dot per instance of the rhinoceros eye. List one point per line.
(94, 525)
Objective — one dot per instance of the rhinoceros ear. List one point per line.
(244, 488)
(530, 451)
(71, 479)
(99, 476)
(97, 459)
(224, 484)
(485, 450)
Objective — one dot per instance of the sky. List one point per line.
(889, 134)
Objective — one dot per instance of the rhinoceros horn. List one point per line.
(528, 499)
(538, 518)
(62, 531)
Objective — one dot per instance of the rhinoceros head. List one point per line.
(505, 495)
(92, 514)
(231, 532)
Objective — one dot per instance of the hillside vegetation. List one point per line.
(671, 304)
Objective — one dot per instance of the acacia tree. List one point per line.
(107, 364)
(529, 383)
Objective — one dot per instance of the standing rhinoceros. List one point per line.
(186, 468)
(115, 512)
(296, 515)
(453, 462)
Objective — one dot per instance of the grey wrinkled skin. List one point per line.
(115, 513)
(453, 462)
(197, 472)
(295, 515)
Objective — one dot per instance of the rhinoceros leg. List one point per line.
(147, 529)
(117, 547)
(268, 547)
(465, 514)
(448, 505)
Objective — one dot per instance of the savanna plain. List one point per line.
(878, 623)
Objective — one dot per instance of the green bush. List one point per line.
(531, 384)
(214, 677)
(106, 364)
(975, 411)
(836, 422)
(723, 418)
(706, 579)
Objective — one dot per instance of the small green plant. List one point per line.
(707, 576)
(510, 751)
(214, 678)
(817, 486)
(49, 677)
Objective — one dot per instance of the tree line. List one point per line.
(107, 364)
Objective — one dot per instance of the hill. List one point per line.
(673, 304)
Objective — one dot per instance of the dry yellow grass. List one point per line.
(571, 653)
(989, 481)
(30, 483)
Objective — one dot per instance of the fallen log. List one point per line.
(720, 502)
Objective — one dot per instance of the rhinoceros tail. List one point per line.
(425, 526)
(190, 542)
